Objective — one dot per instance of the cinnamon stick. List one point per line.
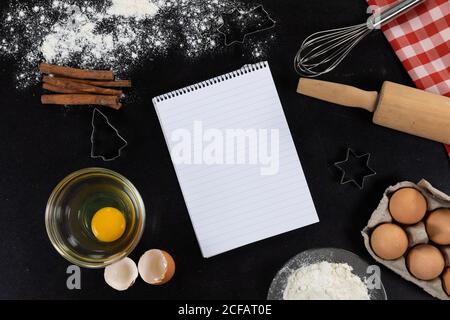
(53, 88)
(82, 99)
(107, 84)
(76, 73)
(79, 87)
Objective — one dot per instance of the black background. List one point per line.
(40, 145)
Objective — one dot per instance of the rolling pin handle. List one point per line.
(341, 94)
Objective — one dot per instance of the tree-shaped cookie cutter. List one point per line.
(103, 157)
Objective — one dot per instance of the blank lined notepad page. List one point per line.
(234, 203)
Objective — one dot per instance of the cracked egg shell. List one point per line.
(156, 267)
(122, 274)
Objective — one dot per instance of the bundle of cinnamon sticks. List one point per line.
(71, 86)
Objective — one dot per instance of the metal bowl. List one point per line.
(332, 255)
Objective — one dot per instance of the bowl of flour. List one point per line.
(327, 274)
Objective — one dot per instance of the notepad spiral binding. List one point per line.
(245, 69)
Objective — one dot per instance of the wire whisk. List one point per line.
(323, 51)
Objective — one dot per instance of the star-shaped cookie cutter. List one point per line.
(240, 13)
(357, 178)
(119, 152)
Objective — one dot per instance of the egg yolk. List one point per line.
(108, 224)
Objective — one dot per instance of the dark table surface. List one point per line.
(40, 145)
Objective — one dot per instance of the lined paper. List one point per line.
(234, 204)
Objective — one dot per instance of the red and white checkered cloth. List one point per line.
(421, 39)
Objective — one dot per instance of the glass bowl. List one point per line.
(332, 255)
(72, 205)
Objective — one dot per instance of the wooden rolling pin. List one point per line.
(397, 106)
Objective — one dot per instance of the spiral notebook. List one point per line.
(235, 159)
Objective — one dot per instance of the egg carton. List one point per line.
(416, 234)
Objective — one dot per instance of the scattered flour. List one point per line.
(117, 34)
(325, 281)
(138, 9)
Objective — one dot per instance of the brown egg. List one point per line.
(425, 262)
(407, 206)
(438, 226)
(389, 241)
(446, 280)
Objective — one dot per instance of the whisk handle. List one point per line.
(378, 20)
(341, 94)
